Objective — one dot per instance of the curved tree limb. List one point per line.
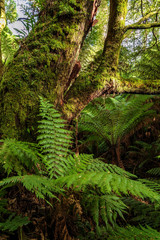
(143, 26)
(128, 29)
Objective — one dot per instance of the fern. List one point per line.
(146, 214)
(39, 185)
(13, 223)
(154, 171)
(92, 47)
(112, 120)
(145, 153)
(109, 183)
(99, 185)
(19, 157)
(134, 233)
(86, 163)
(104, 207)
(152, 184)
(9, 45)
(54, 139)
(148, 64)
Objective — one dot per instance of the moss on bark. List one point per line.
(42, 65)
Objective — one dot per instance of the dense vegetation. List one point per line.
(78, 195)
(94, 175)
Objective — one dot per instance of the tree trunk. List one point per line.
(43, 65)
(2, 25)
(118, 154)
(1, 63)
(103, 79)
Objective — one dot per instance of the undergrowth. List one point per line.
(87, 198)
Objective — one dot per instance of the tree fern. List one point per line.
(99, 186)
(148, 63)
(143, 211)
(145, 153)
(54, 139)
(111, 120)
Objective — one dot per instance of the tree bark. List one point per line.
(103, 79)
(2, 25)
(44, 63)
(118, 154)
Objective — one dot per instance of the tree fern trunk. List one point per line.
(113, 155)
(118, 154)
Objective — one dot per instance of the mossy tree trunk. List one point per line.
(44, 63)
(103, 79)
(2, 25)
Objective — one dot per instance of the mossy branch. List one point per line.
(143, 26)
(138, 86)
(138, 24)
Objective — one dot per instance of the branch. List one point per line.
(156, 39)
(143, 19)
(142, 8)
(143, 26)
(138, 86)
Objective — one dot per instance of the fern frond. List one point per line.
(113, 118)
(146, 214)
(86, 163)
(132, 233)
(13, 223)
(3, 204)
(104, 207)
(19, 157)
(9, 45)
(109, 183)
(154, 171)
(41, 186)
(54, 139)
(152, 184)
(93, 43)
